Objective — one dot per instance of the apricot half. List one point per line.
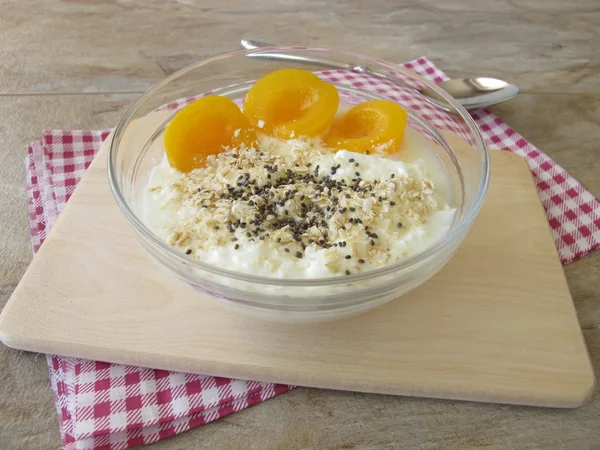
(290, 103)
(205, 127)
(373, 125)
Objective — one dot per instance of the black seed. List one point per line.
(380, 198)
(393, 175)
(278, 240)
(287, 212)
(352, 208)
(347, 195)
(362, 261)
(308, 164)
(236, 246)
(372, 242)
(216, 227)
(243, 225)
(351, 160)
(400, 225)
(234, 239)
(367, 152)
(356, 165)
(347, 272)
(269, 176)
(287, 250)
(347, 256)
(188, 251)
(298, 254)
(392, 203)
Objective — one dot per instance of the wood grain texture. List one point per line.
(114, 46)
(54, 47)
(497, 324)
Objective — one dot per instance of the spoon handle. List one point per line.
(253, 45)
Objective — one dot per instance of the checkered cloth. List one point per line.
(112, 406)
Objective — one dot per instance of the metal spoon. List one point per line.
(471, 93)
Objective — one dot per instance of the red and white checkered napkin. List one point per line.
(112, 406)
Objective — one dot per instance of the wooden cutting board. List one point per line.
(497, 324)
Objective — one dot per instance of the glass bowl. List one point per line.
(136, 146)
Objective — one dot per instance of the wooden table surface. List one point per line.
(79, 64)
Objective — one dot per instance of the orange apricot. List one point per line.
(205, 127)
(373, 125)
(291, 103)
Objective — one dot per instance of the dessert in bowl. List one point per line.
(296, 193)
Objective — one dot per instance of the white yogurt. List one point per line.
(397, 228)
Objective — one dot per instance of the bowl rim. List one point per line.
(461, 226)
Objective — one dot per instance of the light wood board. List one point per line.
(497, 324)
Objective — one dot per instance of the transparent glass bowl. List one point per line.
(136, 147)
